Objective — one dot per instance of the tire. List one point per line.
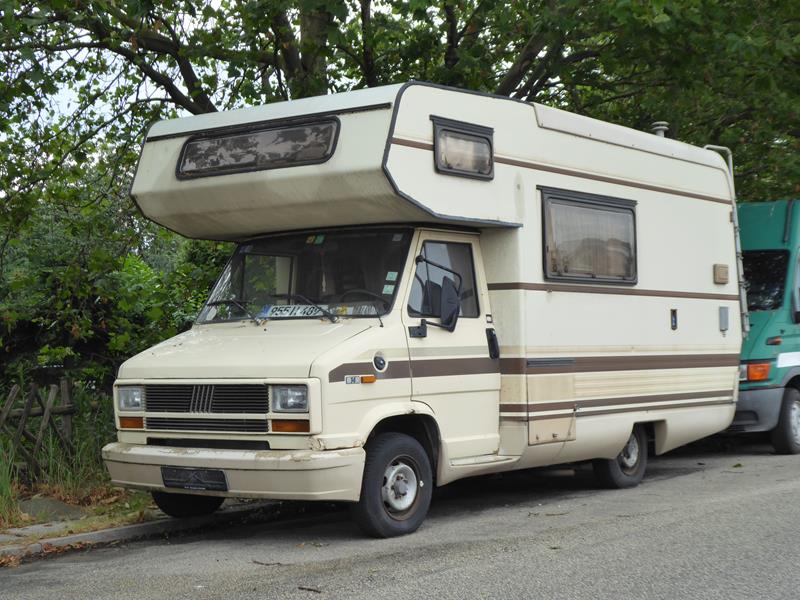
(182, 506)
(627, 469)
(386, 509)
(786, 435)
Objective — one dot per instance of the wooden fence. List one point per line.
(26, 416)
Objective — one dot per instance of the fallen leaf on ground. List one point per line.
(9, 561)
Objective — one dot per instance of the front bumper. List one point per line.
(757, 410)
(275, 474)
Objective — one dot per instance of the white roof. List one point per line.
(382, 169)
(334, 103)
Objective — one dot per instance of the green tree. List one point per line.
(84, 280)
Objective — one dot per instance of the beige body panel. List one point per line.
(581, 363)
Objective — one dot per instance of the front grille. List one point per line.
(183, 424)
(207, 399)
(212, 444)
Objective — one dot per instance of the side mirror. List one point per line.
(796, 306)
(450, 306)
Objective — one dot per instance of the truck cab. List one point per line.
(769, 375)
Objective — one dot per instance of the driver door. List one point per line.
(451, 371)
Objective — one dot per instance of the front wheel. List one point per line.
(182, 506)
(627, 469)
(786, 435)
(397, 486)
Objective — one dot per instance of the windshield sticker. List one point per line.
(310, 239)
(391, 276)
(288, 311)
(397, 237)
(388, 288)
(319, 240)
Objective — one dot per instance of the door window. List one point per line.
(426, 288)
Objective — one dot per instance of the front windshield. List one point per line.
(765, 276)
(352, 273)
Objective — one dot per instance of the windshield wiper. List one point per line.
(333, 318)
(237, 304)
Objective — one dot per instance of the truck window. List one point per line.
(765, 278)
(427, 285)
(353, 273)
(258, 148)
(589, 238)
(463, 149)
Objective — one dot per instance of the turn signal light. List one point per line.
(131, 422)
(291, 426)
(757, 371)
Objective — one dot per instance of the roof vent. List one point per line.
(659, 128)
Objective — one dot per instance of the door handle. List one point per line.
(494, 345)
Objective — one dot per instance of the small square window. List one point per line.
(463, 149)
(428, 279)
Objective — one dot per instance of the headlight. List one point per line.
(130, 397)
(289, 398)
(743, 372)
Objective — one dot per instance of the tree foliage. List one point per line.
(85, 281)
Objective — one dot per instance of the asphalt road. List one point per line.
(714, 520)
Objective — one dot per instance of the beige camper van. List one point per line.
(428, 284)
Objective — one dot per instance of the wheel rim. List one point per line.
(794, 419)
(400, 488)
(629, 457)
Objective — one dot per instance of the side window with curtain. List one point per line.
(589, 238)
(426, 287)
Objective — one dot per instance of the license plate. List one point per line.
(194, 479)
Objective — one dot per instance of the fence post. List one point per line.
(12, 396)
(66, 402)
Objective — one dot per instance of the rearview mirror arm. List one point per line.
(421, 258)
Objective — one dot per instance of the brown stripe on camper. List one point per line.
(598, 289)
(538, 407)
(593, 364)
(399, 369)
(571, 172)
(610, 411)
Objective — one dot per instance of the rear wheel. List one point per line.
(786, 435)
(627, 469)
(182, 506)
(397, 486)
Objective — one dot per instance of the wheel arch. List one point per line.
(420, 426)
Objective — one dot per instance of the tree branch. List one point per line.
(451, 52)
(516, 72)
(287, 44)
(368, 56)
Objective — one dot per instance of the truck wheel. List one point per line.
(786, 435)
(397, 486)
(627, 469)
(182, 506)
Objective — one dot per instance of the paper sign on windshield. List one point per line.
(288, 311)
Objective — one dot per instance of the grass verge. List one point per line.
(9, 506)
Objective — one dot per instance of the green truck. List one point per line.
(769, 374)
